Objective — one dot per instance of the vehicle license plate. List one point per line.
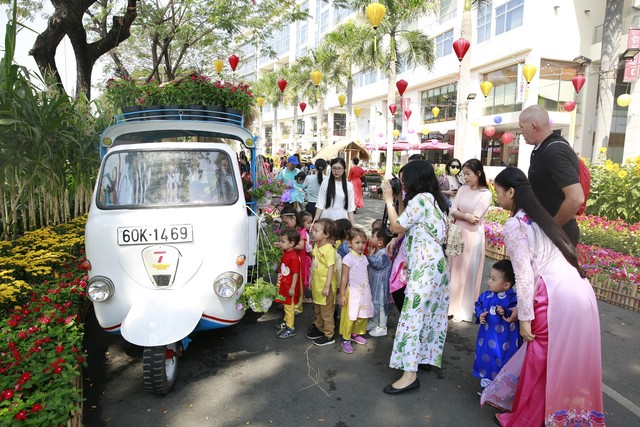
(143, 235)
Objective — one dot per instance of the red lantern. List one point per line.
(507, 138)
(489, 131)
(393, 108)
(407, 114)
(282, 84)
(569, 106)
(461, 46)
(578, 82)
(402, 86)
(303, 106)
(233, 61)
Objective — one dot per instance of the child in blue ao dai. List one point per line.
(496, 312)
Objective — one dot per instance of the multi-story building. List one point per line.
(561, 38)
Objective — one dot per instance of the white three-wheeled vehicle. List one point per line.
(169, 238)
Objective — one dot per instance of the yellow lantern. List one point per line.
(260, 101)
(375, 13)
(624, 100)
(316, 77)
(435, 111)
(486, 87)
(396, 133)
(218, 64)
(425, 130)
(341, 99)
(528, 71)
(357, 111)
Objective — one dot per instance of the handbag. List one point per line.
(455, 244)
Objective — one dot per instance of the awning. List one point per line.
(349, 149)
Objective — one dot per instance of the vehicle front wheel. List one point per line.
(160, 368)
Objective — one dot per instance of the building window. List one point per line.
(484, 21)
(339, 124)
(555, 87)
(340, 13)
(280, 43)
(507, 93)
(447, 10)
(443, 97)
(509, 16)
(495, 153)
(364, 78)
(444, 44)
(301, 38)
(300, 127)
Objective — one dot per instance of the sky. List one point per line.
(25, 40)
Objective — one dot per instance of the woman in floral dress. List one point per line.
(422, 326)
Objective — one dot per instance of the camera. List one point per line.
(396, 186)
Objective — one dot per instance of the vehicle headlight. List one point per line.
(226, 285)
(100, 289)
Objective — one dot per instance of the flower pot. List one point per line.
(234, 115)
(154, 112)
(215, 112)
(261, 306)
(196, 112)
(131, 112)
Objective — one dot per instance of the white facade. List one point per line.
(547, 34)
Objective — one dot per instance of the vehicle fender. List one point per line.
(162, 317)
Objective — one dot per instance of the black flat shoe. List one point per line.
(390, 389)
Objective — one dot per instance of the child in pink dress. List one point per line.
(355, 293)
(304, 225)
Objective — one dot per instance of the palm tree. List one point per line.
(400, 45)
(317, 59)
(611, 33)
(267, 87)
(349, 47)
(302, 89)
(463, 81)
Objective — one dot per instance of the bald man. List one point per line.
(553, 170)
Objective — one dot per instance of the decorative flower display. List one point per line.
(267, 188)
(193, 89)
(257, 295)
(614, 256)
(41, 351)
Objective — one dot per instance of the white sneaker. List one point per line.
(378, 332)
(371, 325)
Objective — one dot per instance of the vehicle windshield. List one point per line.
(152, 178)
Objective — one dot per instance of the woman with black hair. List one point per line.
(335, 198)
(355, 177)
(312, 183)
(469, 207)
(422, 326)
(559, 369)
(451, 179)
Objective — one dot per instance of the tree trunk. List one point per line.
(391, 98)
(67, 20)
(462, 109)
(611, 34)
(350, 121)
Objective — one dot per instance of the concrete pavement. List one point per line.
(244, 375)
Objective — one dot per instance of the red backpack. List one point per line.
(584, 175)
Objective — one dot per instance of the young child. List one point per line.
(379, 274)
(355, 294)
(290, 221)
(288, 282)
(343, 229)
(324, 284)
(305, 219)
(498, 338)
(297, 193)
(375, 224)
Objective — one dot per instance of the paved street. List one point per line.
(244, 375)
